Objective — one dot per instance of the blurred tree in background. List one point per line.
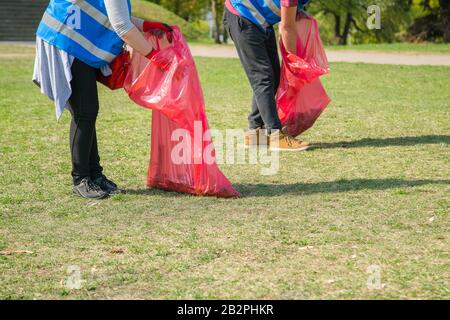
(445, 15)
(196, 11)
(432, 23)
(345, 21)
(190, 10)
(401, 20)
(217, 9)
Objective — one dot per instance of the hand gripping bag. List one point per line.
(301, 97)
(182, 153)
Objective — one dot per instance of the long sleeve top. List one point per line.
(52, 68)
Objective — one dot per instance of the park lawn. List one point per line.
(374, 193)
(413, 48)
(11, 48)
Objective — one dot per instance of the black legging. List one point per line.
(84, 108)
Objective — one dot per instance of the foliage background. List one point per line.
(344, 22)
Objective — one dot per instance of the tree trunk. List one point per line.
(337, 27)
(216, 18)
(445, 16)
(177, 7)
(342, 37)
(225, 36)
(347, 26)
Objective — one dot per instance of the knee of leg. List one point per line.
(264, 86)
(86, 116)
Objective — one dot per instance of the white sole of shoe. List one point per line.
(256, 146)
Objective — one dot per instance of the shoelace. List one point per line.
(91, 186)
(290, 140)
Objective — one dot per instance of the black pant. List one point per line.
(84, 108)
(258, 53)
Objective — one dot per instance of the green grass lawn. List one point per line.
(422, 48)
(374, 192)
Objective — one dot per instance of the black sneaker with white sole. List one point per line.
(107, 185)
(89, 190)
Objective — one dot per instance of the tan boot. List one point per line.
(280, 141)
(256, 137)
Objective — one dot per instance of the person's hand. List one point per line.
(158, 29)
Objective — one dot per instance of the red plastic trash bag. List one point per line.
(182, 153)
(301, 97)
(119, 69)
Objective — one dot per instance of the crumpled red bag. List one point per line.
(169, 85)
(119, 68)
(301, 98)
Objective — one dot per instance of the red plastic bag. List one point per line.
(301, 98)
(182, 153)
(119, 68)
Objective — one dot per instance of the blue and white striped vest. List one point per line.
(263, 13)
(82, 29)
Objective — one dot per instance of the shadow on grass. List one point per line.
(155, 192)
(398, 141)
(273, 190)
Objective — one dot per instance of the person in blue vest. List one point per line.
(250, 25)
(74, 40)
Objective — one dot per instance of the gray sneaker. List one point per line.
(89, 190)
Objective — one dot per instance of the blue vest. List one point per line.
(82, 29)
(263, 13)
